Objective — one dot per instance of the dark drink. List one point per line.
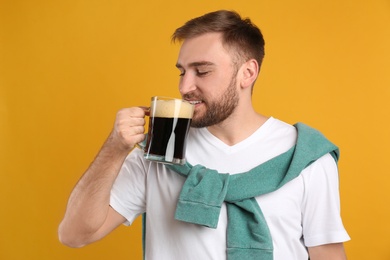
(166, 134)
(169, 123)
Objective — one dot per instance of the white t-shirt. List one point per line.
(305, 212)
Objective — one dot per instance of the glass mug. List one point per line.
(169, 123)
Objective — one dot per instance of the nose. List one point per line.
(187, 84)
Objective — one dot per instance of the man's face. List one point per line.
(208, 79)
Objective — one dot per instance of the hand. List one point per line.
(129, 128)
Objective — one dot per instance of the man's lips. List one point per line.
(194, 102)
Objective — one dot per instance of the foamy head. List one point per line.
(171, 108)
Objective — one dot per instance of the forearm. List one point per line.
(88, 216)
(329, 251)
(88, 203)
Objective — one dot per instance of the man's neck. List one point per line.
(237, 127)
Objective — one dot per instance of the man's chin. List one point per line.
(197, 122)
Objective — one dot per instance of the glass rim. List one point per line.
(153, 98)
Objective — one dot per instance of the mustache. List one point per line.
(192, 96)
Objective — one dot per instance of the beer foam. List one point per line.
(172, 108)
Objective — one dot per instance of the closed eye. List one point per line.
(201, 68)
(202, 73)
(182, 73)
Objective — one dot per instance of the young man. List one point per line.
(219, 62)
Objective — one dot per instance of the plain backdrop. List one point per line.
(66, 67)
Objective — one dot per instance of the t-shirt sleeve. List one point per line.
(128, 192)
(321, 218)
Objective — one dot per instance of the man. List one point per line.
(219, 62)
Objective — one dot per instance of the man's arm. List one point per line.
(329, 251)
(88, 216)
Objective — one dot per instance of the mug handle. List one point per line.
(141, 145)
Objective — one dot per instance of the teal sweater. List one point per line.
(204, 191)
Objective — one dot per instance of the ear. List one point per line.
(249, 72)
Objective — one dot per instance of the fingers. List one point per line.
(129, 127)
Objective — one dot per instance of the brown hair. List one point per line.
(238, 34)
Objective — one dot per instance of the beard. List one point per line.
(218, 110)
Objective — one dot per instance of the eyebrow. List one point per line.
(196, 64)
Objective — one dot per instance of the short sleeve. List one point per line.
(321, 218)
(128, 192)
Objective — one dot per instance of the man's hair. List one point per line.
(238, 34)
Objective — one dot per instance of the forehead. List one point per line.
(204, 48)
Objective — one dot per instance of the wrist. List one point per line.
(116, 147)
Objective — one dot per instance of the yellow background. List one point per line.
(66, 67)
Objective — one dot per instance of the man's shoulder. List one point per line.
(276, 128)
